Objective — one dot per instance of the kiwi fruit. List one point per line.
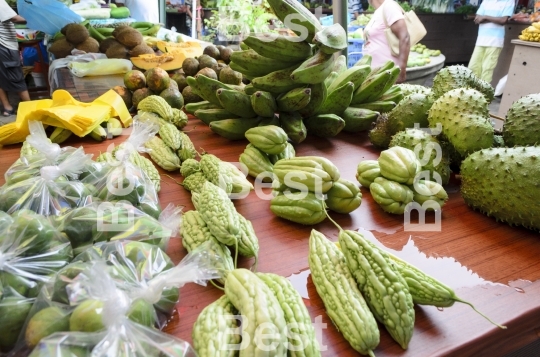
(129, 37)
(106, 43)
(190, 66)
(117, 51)
(141, 49)
(120, 28)
(76, 34)
(65, 28)
(190, 97)
(90, 45)
(61, 48)
(225, 54)
(208, 72)
(212, 51)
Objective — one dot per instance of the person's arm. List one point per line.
(399, 28)
(480, 19)
(18, 19)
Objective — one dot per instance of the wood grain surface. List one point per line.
(492, 265)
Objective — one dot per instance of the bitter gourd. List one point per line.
(162, 155)
(195, 182)
(215, 172)
(337, 288)
(189, 167)
(248, 243)
(211, 331)
(158, 105)
(187, 151)
(170, 135)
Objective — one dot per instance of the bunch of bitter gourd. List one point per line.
(397, 183)
(264, 300)
(361, 284)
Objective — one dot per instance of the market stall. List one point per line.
(159, 194)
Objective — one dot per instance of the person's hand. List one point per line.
(479, 19)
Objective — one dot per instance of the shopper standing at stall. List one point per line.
(491, 17)
(11, 73)
(387, 13)
(142, 10)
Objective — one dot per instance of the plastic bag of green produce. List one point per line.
(32, 250)
(53, 191)
(37, 151)
(107, 302)
(119, 179)
(106, 221)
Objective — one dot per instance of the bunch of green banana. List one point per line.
(59, 135)
(378, 81)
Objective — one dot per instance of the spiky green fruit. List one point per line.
(453, 77)
(429, 151)
(412, 109)
(522, 124)
(503, 183)
(408, 89)
(464, 116)
(380, 135)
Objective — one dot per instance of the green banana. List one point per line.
(192, 82)
(209, 115)
(366, 59)
(293, 100)
(324, 125)
(302, 22)
(330, 79)
(392, 80)
(97, 35)
(59, 135)
(358, 119)
(378, 70)
(276, 82)
(338, 100)
(151, 31)
(236, 103)
(105, 31)
(372, 88)
(233, 129)
(249, 89)
(273, 120)
(393, 94)
(98, 133)
(208, 88)
(264, 104)
(318, 97)
(315, 69)
(279, 47)
(356, 75)
(293, 125)
(191, 108)
(381, 106)
(243, 46)
(258, 65)
(340, 64)
(236, 67)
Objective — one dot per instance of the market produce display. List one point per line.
(83, 263)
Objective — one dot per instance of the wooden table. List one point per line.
(490, 264)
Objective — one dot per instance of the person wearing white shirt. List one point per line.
(142, 10)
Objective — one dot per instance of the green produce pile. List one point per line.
(361, 285)
(31, 251)
(261, 298)
(424, 55)
(111, 297)
(310, 89)
(394, 184)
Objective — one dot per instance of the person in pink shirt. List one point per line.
(376, 44)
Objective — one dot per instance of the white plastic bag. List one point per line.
(100, 67)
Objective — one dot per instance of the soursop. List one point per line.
(380, 135)
(407, 89)
(411, 110)
(410, 138)
(522, 124)
(453, 77)
(464, 116)
(503, 183)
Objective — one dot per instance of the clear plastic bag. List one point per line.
(31, 252)
(100, 67)
(121, 180)
(53, 190)
(48, 16)
(114, 292)
(105, 221)
(40, 151)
